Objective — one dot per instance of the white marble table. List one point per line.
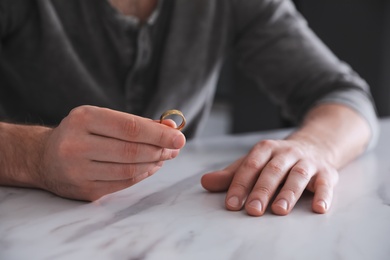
(170, 216)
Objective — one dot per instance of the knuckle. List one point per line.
(328, 174)
(290, 192)
(323, 182)
(252, 163)
(131, 150)
(302, 172)
(266, 144)
(128, 171)
(79, 114)
(131, 127)
(263, 190)
(240, 186)
(275, 167)
(294, 150)
(332, 172)
(167, 154)
(164, 154)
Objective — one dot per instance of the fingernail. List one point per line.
(282, 203)
(256, 204)
(160, 163)
(174, 154)
(322, 204)
(233, 202)
(155, 169)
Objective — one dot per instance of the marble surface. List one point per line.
(170, 216)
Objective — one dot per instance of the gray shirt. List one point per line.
(56, 55)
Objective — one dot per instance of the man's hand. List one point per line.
(331, 136)
(253, 180)
(95, 151)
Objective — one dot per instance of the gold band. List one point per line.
(174, 112)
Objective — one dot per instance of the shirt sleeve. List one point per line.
(2, 28)
(278, 50)
(2, 21)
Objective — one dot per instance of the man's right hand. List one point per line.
(95, 151)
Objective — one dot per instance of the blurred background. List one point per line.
(357, 31)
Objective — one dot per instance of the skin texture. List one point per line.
(308, 159)
(94, 151)
(330, 137)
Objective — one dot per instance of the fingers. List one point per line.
(269, 173)
(167, 122)
(220, 180)
(127, 127)
(246, 176)
(100, 171)
(99, 179)
(104, 188)
(98, 148)
(255, 180)
(297, 181)
(273, 174)
(323, 192)
(98, 189)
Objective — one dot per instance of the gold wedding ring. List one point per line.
(174, 112)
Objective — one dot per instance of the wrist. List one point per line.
(336, 132)
(21, 154)
(316, 144)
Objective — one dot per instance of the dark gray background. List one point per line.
(357, 31)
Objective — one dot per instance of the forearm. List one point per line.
(20, 154)
(338, 131)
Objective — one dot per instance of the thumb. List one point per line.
(218, 181)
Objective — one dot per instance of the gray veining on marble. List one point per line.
(170, 216)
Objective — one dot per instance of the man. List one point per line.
(100, 71)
